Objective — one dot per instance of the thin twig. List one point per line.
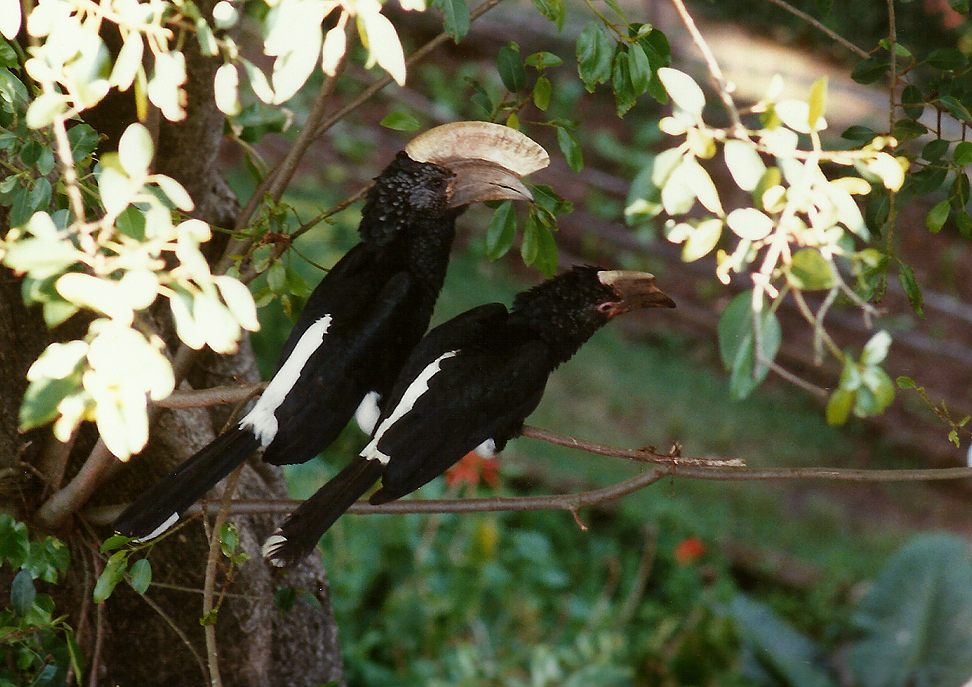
(210, 583)
(821, 27)
(276, 182)
(723, 87)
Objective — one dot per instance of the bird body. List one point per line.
(469, 384)
(365, 316)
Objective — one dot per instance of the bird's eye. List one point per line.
(606, 307)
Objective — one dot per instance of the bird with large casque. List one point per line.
(468, 385)
(363, 319)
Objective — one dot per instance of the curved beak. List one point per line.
(636, 290)
(488, 160)
(481, 180)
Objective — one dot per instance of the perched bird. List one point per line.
(468, 385)
(363, 319)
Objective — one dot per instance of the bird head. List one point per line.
(567, 309)
(443, 171)
(630, 291)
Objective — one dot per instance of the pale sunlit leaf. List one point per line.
(135, 151)
(226, 86)
(683, 90)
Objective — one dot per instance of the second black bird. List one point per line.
(469, 385)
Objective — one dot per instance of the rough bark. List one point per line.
(258, 644)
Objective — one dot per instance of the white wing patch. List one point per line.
(169, 522)
(261, 420)
(414, 391)
(487, 449)
(368, 412)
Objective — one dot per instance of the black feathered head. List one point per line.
(443, 171)
(567, 309)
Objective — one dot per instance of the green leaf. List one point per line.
(510, 68)
(936, 148)
(141, 573)
(906, 276)
(870, 70)
(817, 101)
(839, 406)
(501, 231)
(399, 121)
(554, 10)
(42, 398)
(907, 129)
(229, 539)
(624, 95)
(937, 216)
(640, 68)
(113, 542)
(737, 344)
(550, 202)
(912, 101)
(914, 618)
(905, 383)
(958, 110)
(618, 10)
(962, 154)
(541, 93)
(543, 60)
(547, 257)
(570, 148)
(810, 271)
(595, 55)
(207, 41)
(14, 541)
(530, 247)
(859, 132)
(946, 59)
(22, 593)
(112, 574)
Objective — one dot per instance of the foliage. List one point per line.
(40, 647)
(796, 237)
(912, 626)
(522, 599)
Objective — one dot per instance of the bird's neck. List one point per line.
(562, 334)
(427, 254)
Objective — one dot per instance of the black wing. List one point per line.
(374, 324)
(485, 390)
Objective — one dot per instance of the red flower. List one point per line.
(472, 468)
(689, 550)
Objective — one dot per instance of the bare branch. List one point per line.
(820, 27)
(214, 396)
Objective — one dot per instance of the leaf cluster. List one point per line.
(802, 233)
(40, 646)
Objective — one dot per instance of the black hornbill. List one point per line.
(468, 385)
(363, 319)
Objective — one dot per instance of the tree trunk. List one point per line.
(136, 644)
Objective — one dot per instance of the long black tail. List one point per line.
(160, 507)
(299, 533)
